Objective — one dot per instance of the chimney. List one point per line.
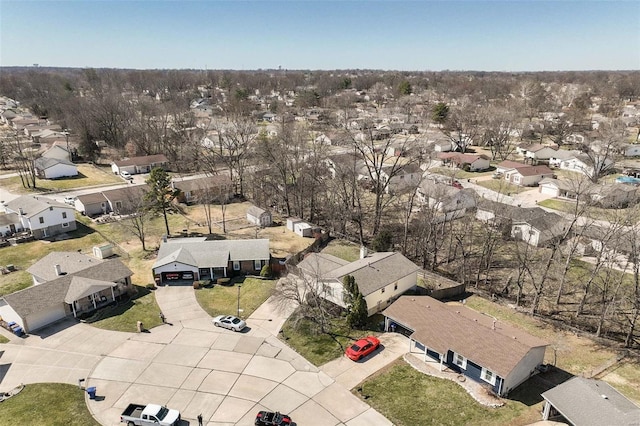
(363, 252)
(58, 269)
(21, 211)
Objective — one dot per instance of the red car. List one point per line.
(362, 348)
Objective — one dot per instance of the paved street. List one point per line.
(197, 368)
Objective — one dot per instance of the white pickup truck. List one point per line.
(151, 414)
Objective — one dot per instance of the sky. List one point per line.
(417, 35)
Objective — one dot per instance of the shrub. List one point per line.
(150, 286)
(196, 285)
(224, 281)
(265, 272)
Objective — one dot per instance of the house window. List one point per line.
(257, 265)
(460, 361)
(382, 290)
(65, 225)
(41, 219)
(236, 265)
(64, 215)
(118, 205)
(395, 286)
(488, 376)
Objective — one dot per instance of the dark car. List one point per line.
(362, 348)
(267, 418)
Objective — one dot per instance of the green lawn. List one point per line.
(3, 339)
(407, 397)
(343, 249)
(47, 404)
(319, 349)
(223, 300)
(125, 316)
(88, 175)
(26, 254)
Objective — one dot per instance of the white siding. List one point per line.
(377, 300)
(60, 170)
(8, 314)
(525, 369)
(51, 217)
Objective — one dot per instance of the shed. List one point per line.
(102, 252)
(291, 223)
(303, 229)
(259, 216)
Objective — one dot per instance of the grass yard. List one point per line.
(124, 317)
(4, 339)
(223, 300)
(408, 397)
(51, 404)
(322, 348)
(501, 186)
(88, 175)
(26, 254)
(343, 249)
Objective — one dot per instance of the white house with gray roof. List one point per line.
(42, 216)
(189, 259)
(381, 277)
(66, 284)
(54, 168)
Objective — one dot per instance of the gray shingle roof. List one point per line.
(84, 287)
(320, 264)
(9, 218)
(43, 296)
(143, 160)
(34, 204)
(589, 402)
(464, 331)
(376, 271)
(70, 262)
(255, 211)
(211, 253)
(43, 163)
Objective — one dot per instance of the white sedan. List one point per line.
(230, 322)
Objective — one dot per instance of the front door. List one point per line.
(44, 232)
(12, 228)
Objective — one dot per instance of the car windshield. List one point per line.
(162, 413)
(355, 347)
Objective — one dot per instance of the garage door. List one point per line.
(44, 318)
(549, 190)
(168, 277)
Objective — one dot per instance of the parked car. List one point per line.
(496, 175)
(267, 418)
(70, 200)
(362, 348)
(151, 414)
(126, 175)
(230, 322)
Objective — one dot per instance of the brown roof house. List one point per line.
(208, 189)
(136, 165)
(461, 339)
(381, 277)
(65, 284)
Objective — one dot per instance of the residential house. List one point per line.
(42, 216)
(560, 188)
(585, 164)
(380, 277)
(614, 195)
(538, 152)
(57, 152)
(443, 146)
(92, 204)
(503, 215)
(539, 230)
(120, 201)
(631, 150)
(188, 259)
(144, 164)
(507, 166)
(444, 198)
(208, 189)
(9, 224)
(588, 402)
(468, 162)
(476, 345)
(528, 175)
(54, 168)
(403, 177)
(560, 156)
(259, 217)
(66, 283)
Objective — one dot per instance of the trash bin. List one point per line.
(92, 392)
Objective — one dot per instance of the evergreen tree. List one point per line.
(161, 195)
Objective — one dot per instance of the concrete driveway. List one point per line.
(194, 367)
